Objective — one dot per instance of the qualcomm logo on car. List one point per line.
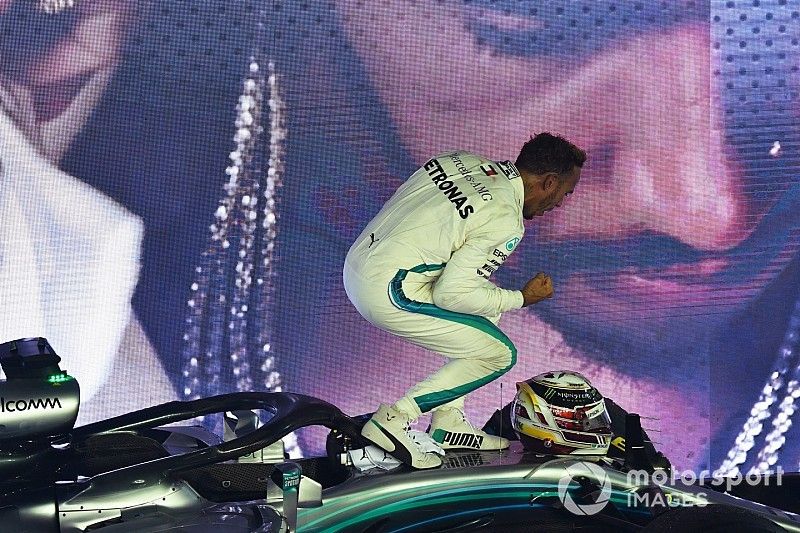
(30, 403)
(578, 470)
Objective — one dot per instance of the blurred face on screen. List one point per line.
(54, 68)
(660, 235)
(57, 56)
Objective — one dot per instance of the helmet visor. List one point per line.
(589, 419)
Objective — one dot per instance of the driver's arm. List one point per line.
(463, 285)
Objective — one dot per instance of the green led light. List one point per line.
(59, 378)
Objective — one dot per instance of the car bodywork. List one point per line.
(140, 472)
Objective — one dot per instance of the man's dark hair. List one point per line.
(549, 153)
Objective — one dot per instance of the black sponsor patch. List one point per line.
(508, 169)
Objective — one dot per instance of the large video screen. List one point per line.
(181, 182)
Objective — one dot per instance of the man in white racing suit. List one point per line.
(420, 270)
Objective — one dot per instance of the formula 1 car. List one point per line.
(134, 473)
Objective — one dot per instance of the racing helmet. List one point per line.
(561, 413)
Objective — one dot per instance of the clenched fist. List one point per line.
(537, 289)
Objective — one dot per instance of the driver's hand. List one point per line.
(537, 289)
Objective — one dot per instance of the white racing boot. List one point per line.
(389, 429)
(452, 431)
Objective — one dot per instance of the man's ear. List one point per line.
(550, 182)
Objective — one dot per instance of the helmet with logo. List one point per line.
(561, 413)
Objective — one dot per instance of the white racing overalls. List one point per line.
(420, 270)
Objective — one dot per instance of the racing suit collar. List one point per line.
(513, 174)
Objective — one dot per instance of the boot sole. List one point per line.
(464, 448)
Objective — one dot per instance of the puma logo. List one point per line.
(465, 440)
(372, 240)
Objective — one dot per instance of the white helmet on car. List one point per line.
(561, 413)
